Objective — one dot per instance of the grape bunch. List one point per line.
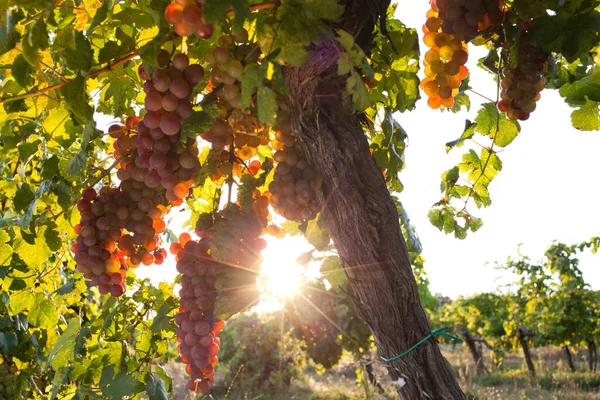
(293, 189)
(187, 18)
(236, 129)
(169, 161)
(229, 245)
(198, 328)
(449, 24)
(119, 227)
(8, 374)
(235, 237)
(464, 18)
(98, 233)
(521, 86)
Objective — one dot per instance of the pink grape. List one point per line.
(184, 109)
(180, 88)
(170, 102)
(181, 61)
(194, 74)
(153, 101)
(152, 119)
(170, 124)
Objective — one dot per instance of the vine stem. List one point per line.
(106, 171)
(491, 148)
(90, 74)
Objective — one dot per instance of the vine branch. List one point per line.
(91, 74)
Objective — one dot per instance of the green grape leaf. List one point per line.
(396, 70)
(21, 301)
(252, 79)
(332, 270)
(22, 71)
(66, 288)
(162, 320)
(34, 255)
(267, 105)
(118, 386)
(63, 352)
(52, 236)
(78, 53)
(9, 342)
(23, 197)
(582, 90)
(155, 387)
(26, 150)
(578, 34)
(468, 133)
(101, 14)
(37, 35)
(316, 235)
(43, 313)
(76, 99)
(214, 11)
(135, 17)
(120, 90)
(200, 121)
(587, 117)
(110, 50)
(292, 228)
(77, 164)
(436, 218)
(50, 168)
(5, 248)
(489, 122)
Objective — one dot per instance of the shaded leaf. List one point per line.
(155, 387)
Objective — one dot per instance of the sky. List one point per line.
(546, 191)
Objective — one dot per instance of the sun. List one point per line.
(281, 277)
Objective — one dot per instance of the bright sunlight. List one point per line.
(281, 276)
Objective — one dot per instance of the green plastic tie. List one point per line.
(438, 332)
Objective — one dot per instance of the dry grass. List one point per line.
(510, 381)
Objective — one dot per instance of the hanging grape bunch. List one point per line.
(187, 18)
(230, 245)
(449, 25)
(198, 329)
(293, 190)
(521, 86)
(142, 209)
(119, 227)
(98, 233)
(238, 131)
(466, 18)
(169, 93)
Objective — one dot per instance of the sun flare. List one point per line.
(281, 277)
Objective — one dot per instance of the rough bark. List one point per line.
(569, 358)
(524, 334)
(475, 352)
(363, 222)
(361, 215)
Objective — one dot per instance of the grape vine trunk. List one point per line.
(361, 216)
